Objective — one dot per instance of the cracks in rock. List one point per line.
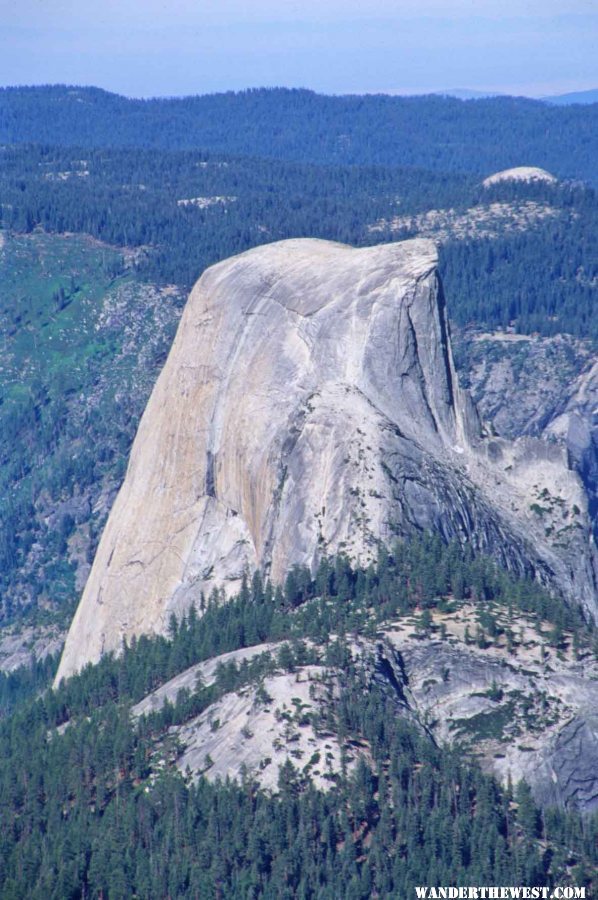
(445, 342)
(210, 487)
(421, 378)
(236, 345)
(294, 432)
(574, 765)
(385, 669)
(164, 548)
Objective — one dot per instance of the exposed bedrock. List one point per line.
(526, 710)
(309, 404)
(450, 692)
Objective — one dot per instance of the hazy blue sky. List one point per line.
(150, 47)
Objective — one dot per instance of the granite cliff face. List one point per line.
(309, 404)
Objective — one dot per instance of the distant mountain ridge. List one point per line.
(436, 132)
(580, 97)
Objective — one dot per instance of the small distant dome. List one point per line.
(520, 173)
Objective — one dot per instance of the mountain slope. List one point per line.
(310, 405)
(82, 341)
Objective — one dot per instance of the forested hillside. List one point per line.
(439, 133)
(82, 342)
(191, 209)
(97, 807)
(529, 258)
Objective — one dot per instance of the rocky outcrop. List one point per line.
(574, 760)
(25, 645)
(545, 387)
(204, 673)
(485, 220)
(522, 707)
(257, 731)
(577, 427)
(523, 717)
(309, 404)
(520, 173)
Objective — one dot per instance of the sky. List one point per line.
(144, 48)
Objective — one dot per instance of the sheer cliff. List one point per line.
(309, 405)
